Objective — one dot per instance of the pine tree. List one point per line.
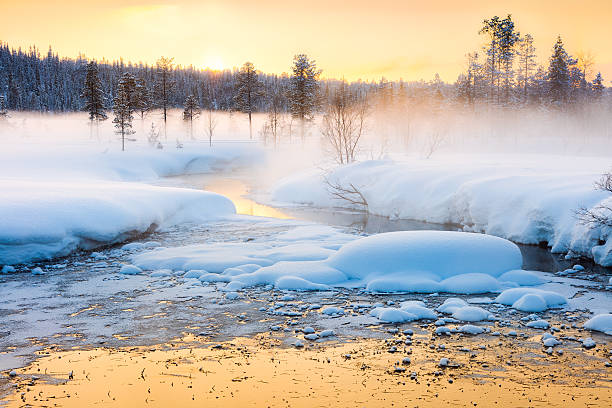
(527, 63)
(304, 87)
(164, 84)
(248, 91)
(192, 110)
(141, 98)
(500, 55)
(508, 37)
(93, 94)
(598, 86)
(122, 108)
(559, 73)
(491, 28)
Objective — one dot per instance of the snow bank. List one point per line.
(407, 261)
(57, 199)
(528, 201)
(41, 220)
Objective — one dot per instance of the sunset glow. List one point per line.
(360, 39)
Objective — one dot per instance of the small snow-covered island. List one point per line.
(372, 217)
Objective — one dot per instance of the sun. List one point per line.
(214, 62)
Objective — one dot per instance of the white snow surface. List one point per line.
(601, 322)
(59, 198)
(306, 258)
(527, 200)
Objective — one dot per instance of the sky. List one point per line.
(349, 39)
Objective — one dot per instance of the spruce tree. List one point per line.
(93, 93)
(192, 110)
(598, 86)
(304, 87)
(141, 98)
(559, 73)
(248, 91)
(122, 108)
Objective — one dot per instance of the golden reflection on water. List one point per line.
(253, 372)
(236, 191)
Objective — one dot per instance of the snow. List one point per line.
(523, 278)
(528, 199)
(530, 299)
(408, 312)
(130, 270)
(57, 199)
(302, 259)
(471, 314)
(539, 324)
(471, 329)
(600, 322)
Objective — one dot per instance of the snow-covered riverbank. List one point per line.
(60, 198)
(528, 199)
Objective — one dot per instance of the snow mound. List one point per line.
(530, 299)
(412, 261)
(130, 270)
(522, 278)
(470, 329)
(409, 311)
(600, 322)
(439, 254)
(471, 314)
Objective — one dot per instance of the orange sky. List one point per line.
(355, 39)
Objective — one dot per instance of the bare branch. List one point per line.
(351, 193)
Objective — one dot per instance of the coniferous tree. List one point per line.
(598, 86)
(304, 87)
(93, 94)
(248, 91)
(164, 84)
(526, 63)
(3, 110)
(559, 73)
(122, 108)
(141, 98)
(191, 111)
(508, 37)
(491, 28)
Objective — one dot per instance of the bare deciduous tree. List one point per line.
(211, 124)
(601, 214)
(343, 123)
(349, 193)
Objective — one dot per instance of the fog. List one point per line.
(418, 133)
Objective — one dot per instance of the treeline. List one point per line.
(504, 74)
(507, 74)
